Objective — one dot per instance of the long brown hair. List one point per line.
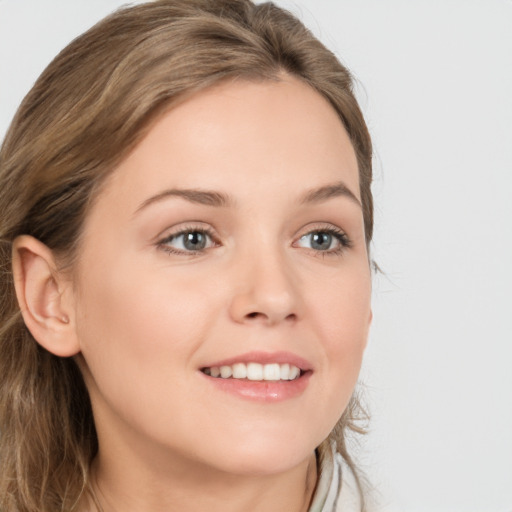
(87, 110)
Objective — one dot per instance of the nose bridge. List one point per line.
(266, 287)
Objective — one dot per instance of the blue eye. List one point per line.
(187, 241)
(327, 240)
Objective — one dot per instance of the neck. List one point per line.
(140, 489)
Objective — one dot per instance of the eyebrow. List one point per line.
(326, 192)
(204, 197)
(219, 199)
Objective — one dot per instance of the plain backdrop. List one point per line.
(434, 79)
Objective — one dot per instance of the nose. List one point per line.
(266, 291)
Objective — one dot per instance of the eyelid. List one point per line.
(315, 227)
(340, 234)
(182, 229)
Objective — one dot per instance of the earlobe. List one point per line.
(45, 297)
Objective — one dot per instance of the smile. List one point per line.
(260, 376)
(255, 371)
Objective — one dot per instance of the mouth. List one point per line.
(252, 371)
(261, 376)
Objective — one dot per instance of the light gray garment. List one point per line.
(336, 489)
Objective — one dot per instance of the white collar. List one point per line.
(336, 488)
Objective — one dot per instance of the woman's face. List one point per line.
(231, 237)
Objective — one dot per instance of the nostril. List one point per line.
(255, 315)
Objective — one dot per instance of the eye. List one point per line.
(325, 240)
(187, 241)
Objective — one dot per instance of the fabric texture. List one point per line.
(336, 489)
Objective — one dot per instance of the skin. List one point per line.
(147, 314)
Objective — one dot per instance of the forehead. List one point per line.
(240, 134)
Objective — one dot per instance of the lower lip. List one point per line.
(262, 391)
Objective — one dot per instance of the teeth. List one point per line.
(239, 371)
(285, 371)
(226, 372)
(255, 371)
(294, 372)
(271, 372)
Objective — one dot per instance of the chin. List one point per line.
(263, 455)
(264, 464)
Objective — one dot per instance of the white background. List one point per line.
(435, 83)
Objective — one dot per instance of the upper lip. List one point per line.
(264, 358)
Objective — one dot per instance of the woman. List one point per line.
(186, 285)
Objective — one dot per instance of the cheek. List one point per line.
(343, 307)
(136, 325)
(134, 300)
(343, 314)
(139, 332)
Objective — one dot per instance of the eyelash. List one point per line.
(338, 234)
(162, 244)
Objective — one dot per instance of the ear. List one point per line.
(45, 297)
(370, 319)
